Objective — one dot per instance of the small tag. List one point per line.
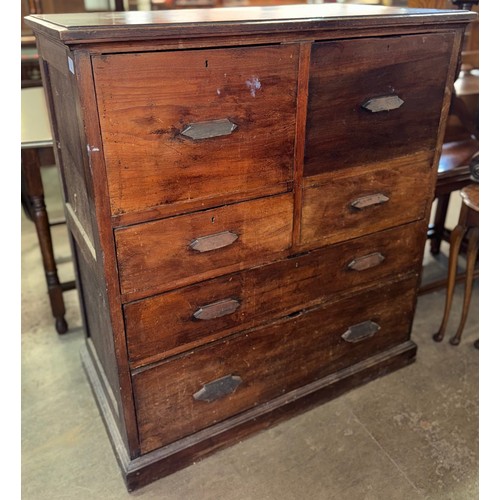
(71, 65)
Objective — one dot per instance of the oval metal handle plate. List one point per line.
(217, 389)
(366, 262)
(383, 103)
(369, 201)
(213, 241)
(206, 130)
(217, 309)
(361, 331)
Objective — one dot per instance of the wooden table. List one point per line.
(36, 150)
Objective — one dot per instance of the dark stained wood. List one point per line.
(346, 74)
(328, 214)
(468, 225)
(303, 349)
(33, 194)
(156, 256)
(149, 161)
(68, 93)
(37, 151)
(76, 180)
(169, 459)
(164, 323)
(453, 174)
(300, 133)
(94, 301)
(115, 359)
(292, 258)
(232, 21)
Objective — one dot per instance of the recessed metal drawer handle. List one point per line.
(366, 262)
(207, 130)
(217, 389)
(217, 309)
(383, 103)
(361, 331)
(369, 201)
(213, 241)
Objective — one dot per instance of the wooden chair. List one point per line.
(468, 226)
(453, 175)
(36, 150)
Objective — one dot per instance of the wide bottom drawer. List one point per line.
(193, 391)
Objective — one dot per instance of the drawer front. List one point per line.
(374, 99)
(182, 319)
(197, 125)
(192, 392)
(164, 254)
(352, 203)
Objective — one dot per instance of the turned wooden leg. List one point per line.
(472, 250)
(438, 224)
(34, 193)
(457, 236)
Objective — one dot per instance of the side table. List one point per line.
(36, 144)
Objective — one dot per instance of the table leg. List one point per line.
(37, 210)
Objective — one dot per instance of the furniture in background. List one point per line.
(461, 141)
(30, 67)
(36, 151)
(460, 144)
(248, 199)
(467, 227)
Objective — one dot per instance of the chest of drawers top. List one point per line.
(193, 23)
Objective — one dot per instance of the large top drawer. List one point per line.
(374, 99)
(196, 127)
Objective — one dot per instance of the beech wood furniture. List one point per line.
(248, 193)
(468, 226)
(37, 151)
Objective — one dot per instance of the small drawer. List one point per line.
(224, 378)
(191, 128)
(182, 319)
(374, 99)
(168, 253)
(355, 202)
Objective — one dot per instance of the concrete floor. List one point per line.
(412, 434)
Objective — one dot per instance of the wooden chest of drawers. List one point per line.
(247, 193)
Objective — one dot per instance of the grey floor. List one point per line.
(410, 435)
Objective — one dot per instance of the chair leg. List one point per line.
(472, 251)
(457, 236)
(438, 224)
